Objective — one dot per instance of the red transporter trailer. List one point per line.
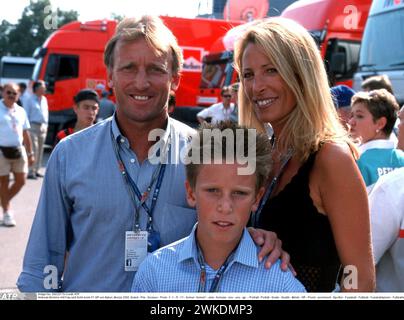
(337, 27)
(72, 59)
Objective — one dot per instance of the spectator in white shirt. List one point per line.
(218, 112)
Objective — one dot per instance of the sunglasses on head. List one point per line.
(11, 93)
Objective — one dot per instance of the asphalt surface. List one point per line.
(14, 240)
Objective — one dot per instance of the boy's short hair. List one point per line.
(378, 82)
(380, 103)
(202, 144)
(86, 94)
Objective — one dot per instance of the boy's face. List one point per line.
(224, 201)
(86, 111)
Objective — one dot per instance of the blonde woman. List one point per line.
(316, 200)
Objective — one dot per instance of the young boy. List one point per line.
(86, 107)
(219, 254)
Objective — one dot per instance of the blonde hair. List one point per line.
(156, 34)
(294, 54)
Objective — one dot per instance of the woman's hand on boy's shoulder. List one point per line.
(271, 248)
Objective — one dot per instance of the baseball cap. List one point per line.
(342, 96)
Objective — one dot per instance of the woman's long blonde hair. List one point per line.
(294, 54)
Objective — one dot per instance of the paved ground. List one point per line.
(13, 240)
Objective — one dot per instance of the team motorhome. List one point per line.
(337, 27)
(72, 59)
(383, 45)
(16, 69)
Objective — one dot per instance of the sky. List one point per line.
(100, 9)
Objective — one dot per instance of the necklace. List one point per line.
(276, 154)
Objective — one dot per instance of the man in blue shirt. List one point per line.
(106, 182)
(219, 254)
(38, 116)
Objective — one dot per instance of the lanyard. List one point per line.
(270, 189)
(202, 278)
(134, 191)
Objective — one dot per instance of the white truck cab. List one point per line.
(382, 50)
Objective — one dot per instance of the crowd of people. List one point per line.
(119, 211)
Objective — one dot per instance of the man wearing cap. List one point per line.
(86, 107)
(342, 96)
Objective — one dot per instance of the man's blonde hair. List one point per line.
(156, 34)
(294, 54)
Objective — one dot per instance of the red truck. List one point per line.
(337, 27)
(72, 59)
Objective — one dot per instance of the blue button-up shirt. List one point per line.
(37, 109)
(85, 209)
(175, 268)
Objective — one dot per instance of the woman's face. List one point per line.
(363, 126)
(272, 98)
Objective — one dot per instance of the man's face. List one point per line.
(41, 90)
(224, 200)
(142, 81)
(10, 94)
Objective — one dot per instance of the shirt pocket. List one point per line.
(177, 223)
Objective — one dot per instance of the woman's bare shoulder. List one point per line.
(334, 152)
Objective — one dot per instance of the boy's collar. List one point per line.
(246, 252)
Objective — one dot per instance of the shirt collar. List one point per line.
(377, 144)
(246, 252)
(3, 105)
(189, 249)
(231, 108)
(164, 140)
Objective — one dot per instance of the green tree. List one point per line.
(117, 17)
(5, 28)
(37, 22)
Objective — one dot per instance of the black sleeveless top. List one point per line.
(305, 233)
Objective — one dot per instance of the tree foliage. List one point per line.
(37, 22)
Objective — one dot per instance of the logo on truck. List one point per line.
(192, 59)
